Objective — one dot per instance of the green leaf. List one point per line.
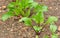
(27, 21)
(16, 11)
(39, 17)
(7, 15)
(44, 8)
(54, 36)
(27, 13)
(33, 5)
(41, 8)
(53, 28)
(37, 36)
(51, 19)
(30, 1)
(46, 36)
(37, 28)
(11, 5)
(17, 1)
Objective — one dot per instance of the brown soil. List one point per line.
(13, 29)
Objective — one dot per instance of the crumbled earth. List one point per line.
(13, 29)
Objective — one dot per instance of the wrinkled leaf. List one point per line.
(41, 8)
(7, 15)
(30, 1)
(27, 13)
(46, 36)
(11, 5)
(53, 28)
(37, 28)
(39, 17)
(54, 36)
(37, 36)
(33, 5)
(26, 20)
(51, 19)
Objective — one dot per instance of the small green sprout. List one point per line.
(17, 8)
(38, 18)
(24, 8)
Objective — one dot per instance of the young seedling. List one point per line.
(38, 18)
(41, 24)
(19, 8)
(24, 7)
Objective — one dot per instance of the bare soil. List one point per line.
(13, 29)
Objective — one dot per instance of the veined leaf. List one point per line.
(46, 36)
(27, 13)
(51, 19)
(38, 18)
(7, 15)
(33, 5)
(26, 20)
(53, 28)
(37, 28)
(30, 1)
(37, 36)
(41, 8)
(11, 5)
(54, 36)
(17, 1)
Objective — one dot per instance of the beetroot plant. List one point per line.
(20, 7)
(25, 8)
(40, 24)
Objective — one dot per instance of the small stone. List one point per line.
(45, 0)
(0, 11)
(3, 31)
(0, 8)
(3, 7)
(59, 28)
(11, 30)
(8, 28)
(56, 9)
(50, 7)
(29, 33)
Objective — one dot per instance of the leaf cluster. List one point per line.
(24, 8)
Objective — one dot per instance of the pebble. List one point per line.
(50, 7)
(11, 30)
(0, 11)
(59, 28)
(0, 8)
(8, 28)
(3, 7)
(56, 9)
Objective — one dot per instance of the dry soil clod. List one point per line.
(3, 7)
(59, 28)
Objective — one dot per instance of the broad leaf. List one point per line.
(26, 20)
(37, 36)
(27, 13)
(54, 36)
(33, 5)
(7, 15)
(30, 1)
(53, 28)
(37, 28)
(38, 18)
(51, 19)
(11, 5)
(46, 36)
(41, 8)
